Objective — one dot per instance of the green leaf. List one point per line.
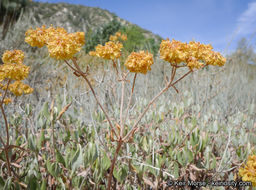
(67, 136)
(190, 156)
(145, 144)
(62, 184)
(54, 169)
(48, 165)
(176, 169)
(8, 184)
(31, 143)
(181, 112)
(106, 162)
(45, 110)
(181, 159)
(17, 186)
(77, 159)
(59, 103)
(28, 109)
(32, 184)
(41, 139)
(213, 162)
(116, 174)
(194, 121)
(123, 173)
(43, 185)
(60, 158)
(1, 182)
(93, 153)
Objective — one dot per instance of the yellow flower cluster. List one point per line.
(36, 38)
(194, 54)
(60, 44)
(111, 50)
(248, 172)
(7, 100)
(117, 36)
(18, 88)
(139, 62)
(15, 56)
(13, 69)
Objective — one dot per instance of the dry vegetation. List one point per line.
(203, 133)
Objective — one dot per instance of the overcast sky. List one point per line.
(218, 22)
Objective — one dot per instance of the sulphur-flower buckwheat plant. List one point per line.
(62, 45)
(11, 74)
(248, 171)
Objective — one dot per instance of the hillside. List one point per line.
(72, 17)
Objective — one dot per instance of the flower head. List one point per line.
(173, 52)
(118, 36)
(60, 44)
(124, 37)
(37, 37)
(111, 50)
(18, 88)
(64, 46)
(248, 172)
(7, 100)
(113, 38)
(139, 62)
(13, 67)
(14, 70)
(14, 56)
(196, 55)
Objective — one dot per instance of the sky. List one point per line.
(221, 23)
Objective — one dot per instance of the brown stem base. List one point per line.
(119, 145)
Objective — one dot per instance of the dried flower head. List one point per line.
(13, 67)
(111, 50)
(113, 38)
(60, 44)
(124, 37)
(139, 62)
(196, 55)
(248, 172)
(64, 46)
(7, 101)
(37, 37)
(13, 71)
(118, 36)
(18, 88)
(14, 56)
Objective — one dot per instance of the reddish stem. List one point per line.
(119, 145)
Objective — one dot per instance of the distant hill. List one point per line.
(73, 18)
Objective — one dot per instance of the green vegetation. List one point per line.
(101, 35)
(136, 39)
(10, 11)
